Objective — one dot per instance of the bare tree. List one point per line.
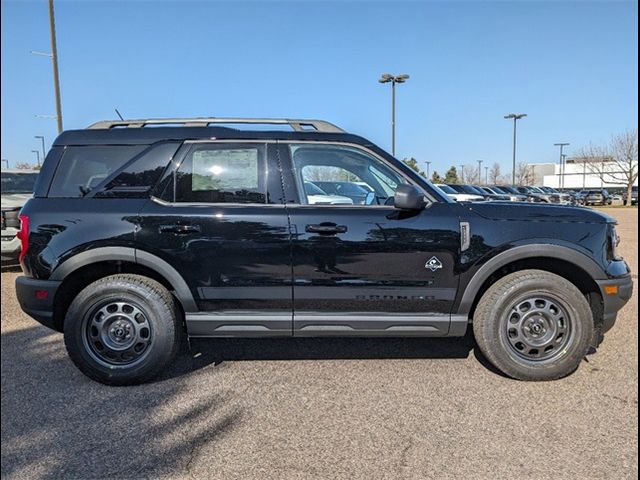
(615, 163)
(471, 174)
(495, 175)
(24, 166)
(524, 174)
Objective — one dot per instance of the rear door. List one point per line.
(365, 267)
(218, 218)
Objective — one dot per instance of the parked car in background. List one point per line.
(599, 196)
(514, 195)
(495, 195)
(356, 193)
(317, 196)
(471, 190)
(634, 196)
(459, 197)
(556, 196)
(17, 188)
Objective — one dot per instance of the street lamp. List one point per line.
(44, 152)
(461, 173)
(564, 167)
(515, 117)
(37, 152)
(6, 161)
(54, 62)
(428, 165)
(480, 171)
(561, 145)
(393, 79)
(486, 175)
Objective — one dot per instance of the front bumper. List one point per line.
(616, 293)
(10, 247)
(36, 299)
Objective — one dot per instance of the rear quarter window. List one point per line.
(83, 168)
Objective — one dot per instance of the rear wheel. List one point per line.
(533, 325)
(122, 329)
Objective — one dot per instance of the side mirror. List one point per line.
(408, 197)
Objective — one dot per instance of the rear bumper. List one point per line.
(615, 294)
(10, 248)
(36, 299)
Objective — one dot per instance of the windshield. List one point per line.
(499, 189)
(472, 190)
(446, 189)
(313, 189)
(18, 182)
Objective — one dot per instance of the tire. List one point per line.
(533, 325)
(122, 329)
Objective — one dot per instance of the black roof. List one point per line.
(149, 135)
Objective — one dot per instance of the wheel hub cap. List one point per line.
(538, 328)
(118, 333)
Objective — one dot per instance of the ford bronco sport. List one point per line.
(142, 231)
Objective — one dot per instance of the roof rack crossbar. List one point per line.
(297, 125)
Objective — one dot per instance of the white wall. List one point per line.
(576, 175)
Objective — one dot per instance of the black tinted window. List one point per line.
(18, 182)
(222, 173)
(136, 179)
(82, 169)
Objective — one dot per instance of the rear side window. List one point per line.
(222, 173)
(82, 169)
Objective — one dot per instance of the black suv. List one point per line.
(139, 233)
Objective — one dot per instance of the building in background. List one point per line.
(578, 173)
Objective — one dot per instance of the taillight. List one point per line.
(23, 235)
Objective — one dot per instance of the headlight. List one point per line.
(614, 242)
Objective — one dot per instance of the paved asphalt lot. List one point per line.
(320, 408)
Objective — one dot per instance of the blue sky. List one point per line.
(571, 66)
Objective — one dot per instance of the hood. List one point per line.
(11, 201)
(538, 213)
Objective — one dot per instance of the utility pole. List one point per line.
(480, 171)
(515, 117)
(561, 145)
(54, 61)
(393, 79)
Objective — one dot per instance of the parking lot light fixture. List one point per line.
(44, 151)
(515, 117)
(37, 152)
(393, 79)
(562, 166)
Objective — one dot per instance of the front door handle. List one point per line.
(326, 228)
(180, 229)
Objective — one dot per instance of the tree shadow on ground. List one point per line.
(58, 424)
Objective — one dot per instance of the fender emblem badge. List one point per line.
(433, 264)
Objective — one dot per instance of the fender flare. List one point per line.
(521, 253)
(128, 254)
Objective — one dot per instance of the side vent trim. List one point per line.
(465, 236)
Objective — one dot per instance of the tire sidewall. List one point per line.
(581, 321)
(160, 319)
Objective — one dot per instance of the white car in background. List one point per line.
(17, 188)
(317, 196)
(459, 197)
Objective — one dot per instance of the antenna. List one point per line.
(118, 114)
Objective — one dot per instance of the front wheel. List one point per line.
(122, 329)
(533, 325)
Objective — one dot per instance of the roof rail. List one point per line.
(296, 124)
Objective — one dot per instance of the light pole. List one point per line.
(564, 167)
(393, 79)
(428, 168)
(515, 117)
(486, 175)
(54, 62)
(561, 145)
(37, 152)
(44, 152)
(461, 173)
(6, 161)
(479, 171)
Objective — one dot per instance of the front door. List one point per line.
(219, 220)
(361, 266)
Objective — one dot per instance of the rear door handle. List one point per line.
(180, 229)
(326, 228)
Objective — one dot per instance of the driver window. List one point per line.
(341, 175)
